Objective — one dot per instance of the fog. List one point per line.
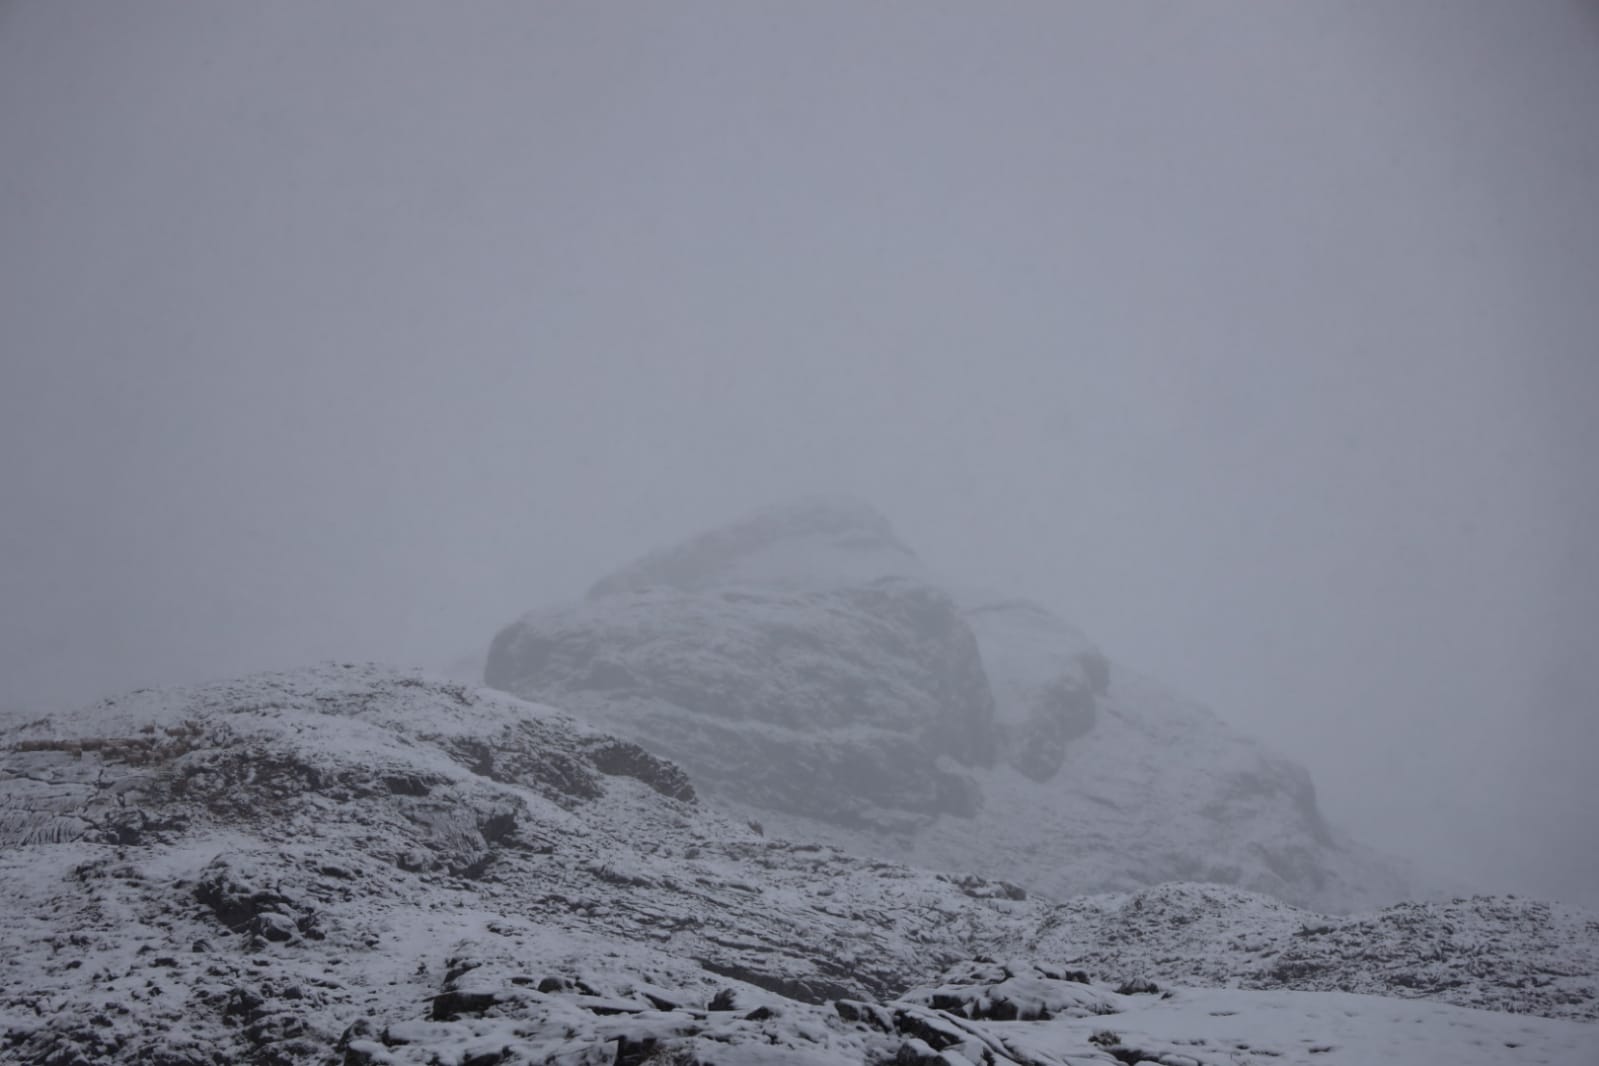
(1257, 340)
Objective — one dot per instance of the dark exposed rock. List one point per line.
(272, 926)
(243, 1006)
(408, 784)
(364, 1054)
(453, 1004)
(634, 1052)
(498, 828)
(803, 989)
(1019, 991)
(618, 758)
(868, 1014)
(235, 898)
(983, 888)
(517, 757)
(928, 1028)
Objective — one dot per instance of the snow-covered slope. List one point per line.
(808, 670)
(352, 864)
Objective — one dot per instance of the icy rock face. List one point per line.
(794, 661)
(809, 671)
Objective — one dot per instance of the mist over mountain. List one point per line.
(1170, 636)
(804, 664)
(355, 331)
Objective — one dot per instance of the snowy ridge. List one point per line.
(350, 864)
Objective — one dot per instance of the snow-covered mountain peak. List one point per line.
(806, 667)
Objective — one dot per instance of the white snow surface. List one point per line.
(350, 864)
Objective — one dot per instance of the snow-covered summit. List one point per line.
(814, 543)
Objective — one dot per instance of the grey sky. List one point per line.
(1256, 339)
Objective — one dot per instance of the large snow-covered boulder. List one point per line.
(807, 669)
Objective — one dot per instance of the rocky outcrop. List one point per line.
(808, 670)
